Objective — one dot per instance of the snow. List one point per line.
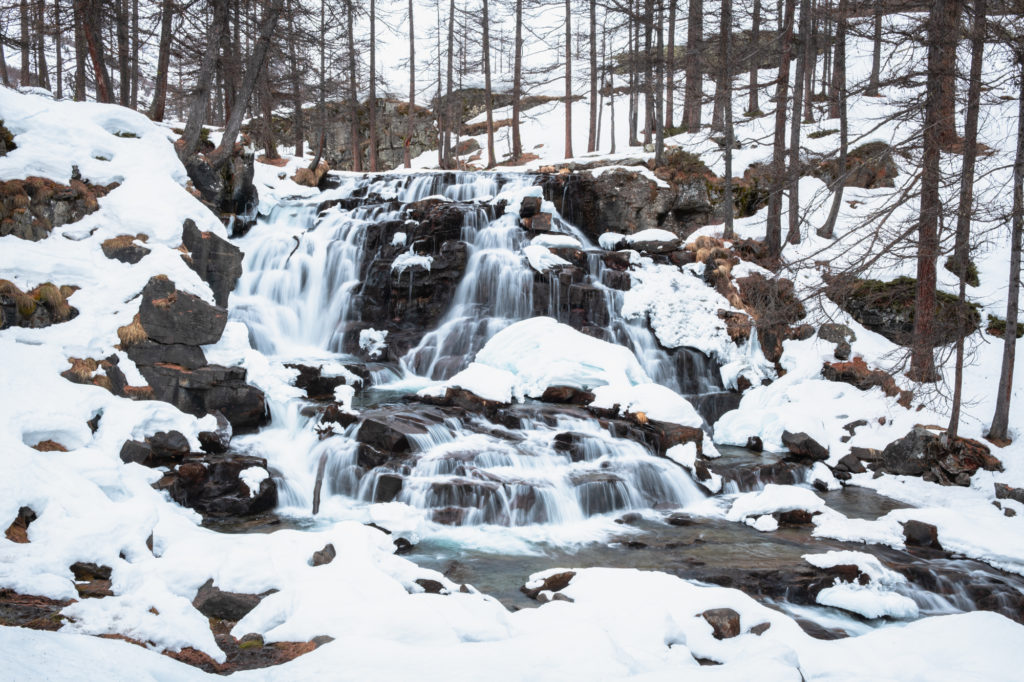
(541, 259)
(252, 477)
(411, 259)
(651, 235)
(772, 499)
(372, 341)
(553, 240)
(489, 383)
(343, 395)
(653, 400)
(609, 241)
(399, 239)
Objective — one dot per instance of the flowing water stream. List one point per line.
(461, 482)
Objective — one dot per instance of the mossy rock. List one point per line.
(6, 140)
(972, 270)
(997, 327)
(818, 134)
(888, 308)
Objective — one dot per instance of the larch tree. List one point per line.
(488, 95)
(773, 230)
(693, 94)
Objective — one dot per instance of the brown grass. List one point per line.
(50, 295)
(83, 368)
(49, 446)
(132, 334)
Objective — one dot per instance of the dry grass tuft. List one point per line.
(132, 334)
(50, 295)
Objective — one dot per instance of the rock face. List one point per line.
(922, 452)
(888, 308)
(40, 307)
(218, 262)
(627, 201)
(227, 191)
(164, 344)
(31, 208)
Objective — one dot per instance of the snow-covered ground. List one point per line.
(620, 623)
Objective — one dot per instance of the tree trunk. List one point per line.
(256, 63)
(961, 255)
(947, 36)
(5, 77)
(693, 96)
(773, 234)
(726, 77)
(123, 52)
(839, 82)
(793, 174)
(876, 54)
(592, 132)
(134, 98)
(80, 50)
(156, 109)
(810, 53)
(449, 101)
(267, 114)
(353, 95)
(568, 79)
(1001, 419)
(488, 95)
(659, 91)
(753, 107)
(26, 45)
(322, 104)
(922, 361)
(92, 30)
(201, 94)
(718, 111)
(517, 84)
(670, 66)
(374, 161)
(407, 143)
(649, 115)
(40, 23)
(634, 58)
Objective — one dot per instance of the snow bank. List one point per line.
(541, 259)
(772, 499)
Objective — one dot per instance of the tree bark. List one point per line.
(961, 255)
(947, 36)
(322, 104)
(876, 53)
(773, 234)
(839, 82)
(134, 98)
(753, 107)
(201, 93)
(793, 175)
(26, 45)
(256, 63)
(592, 133)
(41, 66)
(449, 101)
(922, 360)
(374, 161)
(810, 52)
(124, 89)
(353, 95)
(568, 79)
(156, 109)
(1001, 419)
(693, 95)
(517, 84)
(80, 50)
(407, 143)
(92, 30)
(726, 76)
(488, 95)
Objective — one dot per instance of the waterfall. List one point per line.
(305, 287)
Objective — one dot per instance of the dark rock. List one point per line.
(851, 464)
(1006, 492)
(567, 395)
(229, 190)
(923, 452)
(857, 374)
(387, 487)
(217, 442)
(324, 556)
(403, 546)
(760, 628)
(124, 249)
(920, 534)
(217, 262)
(795, 517)
(151, 353)
(169, 445)
(31, 208)
(725, 623)
(213, 487)
(529, 207)
(755, 443)
(170, 316)
(868, 166)
(312, 381)
(839, 334)
(552, 583)
(18, 530)
(83, 570)
(802, 445)
(430, 586)
(214, 602)
(209, 389)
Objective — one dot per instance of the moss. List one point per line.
(132, 334)
(682, 161)
(126, 134)
(818, 134)
(753, 113)
(997, 327)
(972, 270)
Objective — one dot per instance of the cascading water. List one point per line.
(303, 277)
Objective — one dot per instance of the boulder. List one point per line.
(228, 190)
(160, 449)
(217, 261)
(170, 316)
(312, 381)
(209, 389)
(213, 486)
(387, 487)
(552, 583)
(1006, 492)
(856, 373)
(217, 441)
(214, 602)
(802, 445)
(920, 534)
(839, 334)
(31, 208)
(124, 249)
(725, 623)
(923, 452)
(567, 395)
(324, 556)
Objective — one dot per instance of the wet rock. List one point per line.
(209, 389)
(572, 444)
(541, 222)
(215, 260)
(725, 623)
(228, 191)
(795, 517)
(802, 445)
(170, 316)
(755, 443)
(529, 207)
(389, 433)
(217, 441)
(552, 583)
(312, 381)
(150, 353)
(160, 449)
(213, 486)
(324, 556)
(850, 463)
(403, 546)
(839, 334)
(920, 534)
(923, 452)
(214, 602)
(387, 487)
(567, 395)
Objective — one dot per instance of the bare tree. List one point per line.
(156, 109)
(26, 43)
(121, 19)
(839, 80)
(753, 108)
(201, 93)
(517, 83)
(374, 162)
(773, 235)
(693, 95)
(407, 143)
(725, 56)
(568, 79)
(793, 176)
(670, 66)
(876, 53)
(488, 95)
(353, 94)
(592, 133)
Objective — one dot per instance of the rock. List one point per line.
(311, 177)
(795, 517)
(1006, 492)
(387, 487)
(170, 316)
(324, 556)
(18, 530)
(213, 486)
(431, 586)
(216, 261)
(851, 464)
(124, 249)
(316, 386)
(920, 534)
(802, 445)
(856, 373)
(160, 449)
(725, 623)
(923, 452)
(214, 602)
(868, 166)
(760, 628)
(839, 334)
(567, 395)
(229, 190)
(552, 583)
(150, 353)
(529, 207)
(31, 208)
(388, 433)
(755, 443)
(209, 389)
(217, 442)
